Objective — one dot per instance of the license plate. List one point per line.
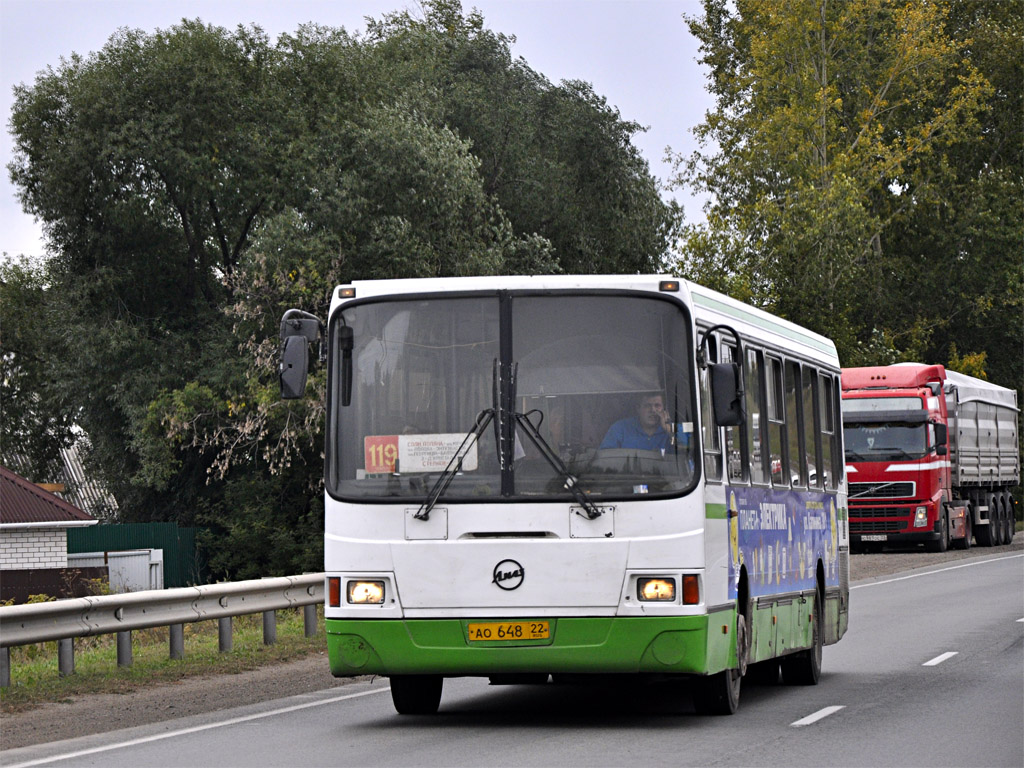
(874, 537)
(489, 631)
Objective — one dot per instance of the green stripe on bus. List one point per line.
(665, 644)
(715, 511)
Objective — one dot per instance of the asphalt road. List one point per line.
(931, 673)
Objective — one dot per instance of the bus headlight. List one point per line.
(366, 592)
(656, 590)
(921, 517)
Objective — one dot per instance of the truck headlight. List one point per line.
(921, 517)
(366, 592)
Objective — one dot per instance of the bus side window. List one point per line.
(829, 433)
(757, 448)
(777, 424)
(709, 430)
(794, 414)
(812, 431)
(735, 446)
(838, 455)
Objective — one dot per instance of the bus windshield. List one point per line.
(604, 380)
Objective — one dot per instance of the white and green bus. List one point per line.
(555, 476)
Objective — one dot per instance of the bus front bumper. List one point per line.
(667, 645)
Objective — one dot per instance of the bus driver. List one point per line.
(649, 430)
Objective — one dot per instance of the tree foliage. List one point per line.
(194, 183)
(865, 171)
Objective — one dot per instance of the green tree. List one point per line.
(34, 425)
(194, 183)
(835, 122)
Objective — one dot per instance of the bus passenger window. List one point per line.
(709, 429)
(756, 448)
(777, 424)
(794, 416)
(811, 459)
(828, 432)
(735, 449)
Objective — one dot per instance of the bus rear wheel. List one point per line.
(416, 694)
(804, 668)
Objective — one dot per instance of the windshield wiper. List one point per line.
(455, 463)
(571, 483)
(855, 456)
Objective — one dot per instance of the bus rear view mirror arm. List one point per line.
(727, 394)
(298, 330)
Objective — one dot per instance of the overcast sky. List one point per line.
(638, 54)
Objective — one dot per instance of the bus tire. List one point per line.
(416, 694)
(804, 667)
(719, 694)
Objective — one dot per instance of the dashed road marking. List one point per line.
(195, 729)
(817, 716)
(940, 658)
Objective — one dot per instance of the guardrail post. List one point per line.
(177, 641)
(309, 619)
(5, 667)
(269, 627)
(124, 648)
(66, 657)
(224, 634)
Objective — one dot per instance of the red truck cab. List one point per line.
(895, 428)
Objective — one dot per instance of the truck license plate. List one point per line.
(874, 537)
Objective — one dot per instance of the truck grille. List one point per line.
(877, 526)
(863, 513)
(882, 490)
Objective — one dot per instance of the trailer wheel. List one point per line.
(1000, 532)
(1012, 514)
(1008, 520)
(985, 534)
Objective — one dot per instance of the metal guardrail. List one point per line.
(64, 620)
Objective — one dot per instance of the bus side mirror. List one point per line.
(294, 367)
(727, 394)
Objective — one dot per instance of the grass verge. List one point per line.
(35, 681)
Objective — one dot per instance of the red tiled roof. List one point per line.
(23, 502)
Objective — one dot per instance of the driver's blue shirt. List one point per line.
(627, 433)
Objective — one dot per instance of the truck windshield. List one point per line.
(885, 441)
(606, 381)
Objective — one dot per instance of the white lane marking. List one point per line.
(816, 716)
(937, 570)
(1019, 620)
(940, 658)
(195, 729)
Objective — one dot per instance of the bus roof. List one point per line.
(710, 307)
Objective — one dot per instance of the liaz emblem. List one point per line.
(508, 574)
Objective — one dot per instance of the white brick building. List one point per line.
(33, 530)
